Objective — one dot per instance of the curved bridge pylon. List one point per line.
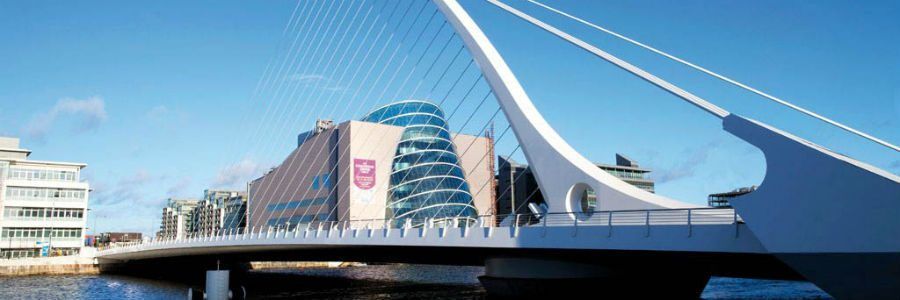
(825, 216)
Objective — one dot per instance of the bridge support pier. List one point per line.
(518, 277)
(217, 285)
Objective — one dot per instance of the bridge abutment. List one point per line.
(518, 277)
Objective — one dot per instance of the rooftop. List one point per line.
(735, 192)
(10, 151)
(11, 145)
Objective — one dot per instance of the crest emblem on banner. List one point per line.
(364, 173)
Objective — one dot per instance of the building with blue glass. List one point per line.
(400, 163)
(427, 180)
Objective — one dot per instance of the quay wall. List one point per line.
(63, 265)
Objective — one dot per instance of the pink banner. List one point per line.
(364, 173)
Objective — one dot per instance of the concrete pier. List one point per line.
(217, 285)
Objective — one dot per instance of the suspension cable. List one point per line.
(720, 77)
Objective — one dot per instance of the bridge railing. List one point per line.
(687, 216)
(647, 218)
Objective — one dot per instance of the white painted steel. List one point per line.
(814, 200)
(806, 187)
(713, 231)
(671, 88)
(557, 166)
(831, 218)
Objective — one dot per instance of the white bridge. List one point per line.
(689, 230)
(818, 215)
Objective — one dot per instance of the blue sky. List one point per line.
(158, 97)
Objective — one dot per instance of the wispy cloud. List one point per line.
(317, 81)
(129, 189)
(693, 158)
(158, 112)
(180, 187)
(237, 175)
(162, 116)
(135, 193)
(89, 113)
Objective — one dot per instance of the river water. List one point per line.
(366, 282)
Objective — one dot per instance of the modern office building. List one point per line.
(44, 204)
(235, 211)
(426, 179)
(629, 171)
(176, 218)
(390, 165)
(720, 200)
(517, 188)
(219, 210)
(321, 125)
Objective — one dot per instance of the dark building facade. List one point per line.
(720, 200)
(517, 188)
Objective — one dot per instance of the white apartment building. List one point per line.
(43, 203)
(220, 210)
(176, 218)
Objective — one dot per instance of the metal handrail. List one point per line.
(610, 218)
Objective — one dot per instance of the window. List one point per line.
(40, 213)
(588, 201)
(39, 174)
(44, 194)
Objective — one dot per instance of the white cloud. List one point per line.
(169, 117)
(158, 112)
(90, 113)
(139, 177)
(180, 187)
(237, 175)
(129, 189)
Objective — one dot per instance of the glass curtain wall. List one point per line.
(426, 180)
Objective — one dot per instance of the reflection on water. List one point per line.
(89, 287)
(368, 282)
(735, 288)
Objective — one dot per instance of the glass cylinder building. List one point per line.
(426, 179)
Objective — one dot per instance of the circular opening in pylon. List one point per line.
(583, 200)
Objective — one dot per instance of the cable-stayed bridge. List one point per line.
(399, 186)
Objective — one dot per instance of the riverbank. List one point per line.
(61, 265)
(78, 265)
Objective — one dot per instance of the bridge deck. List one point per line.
(713, 238)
